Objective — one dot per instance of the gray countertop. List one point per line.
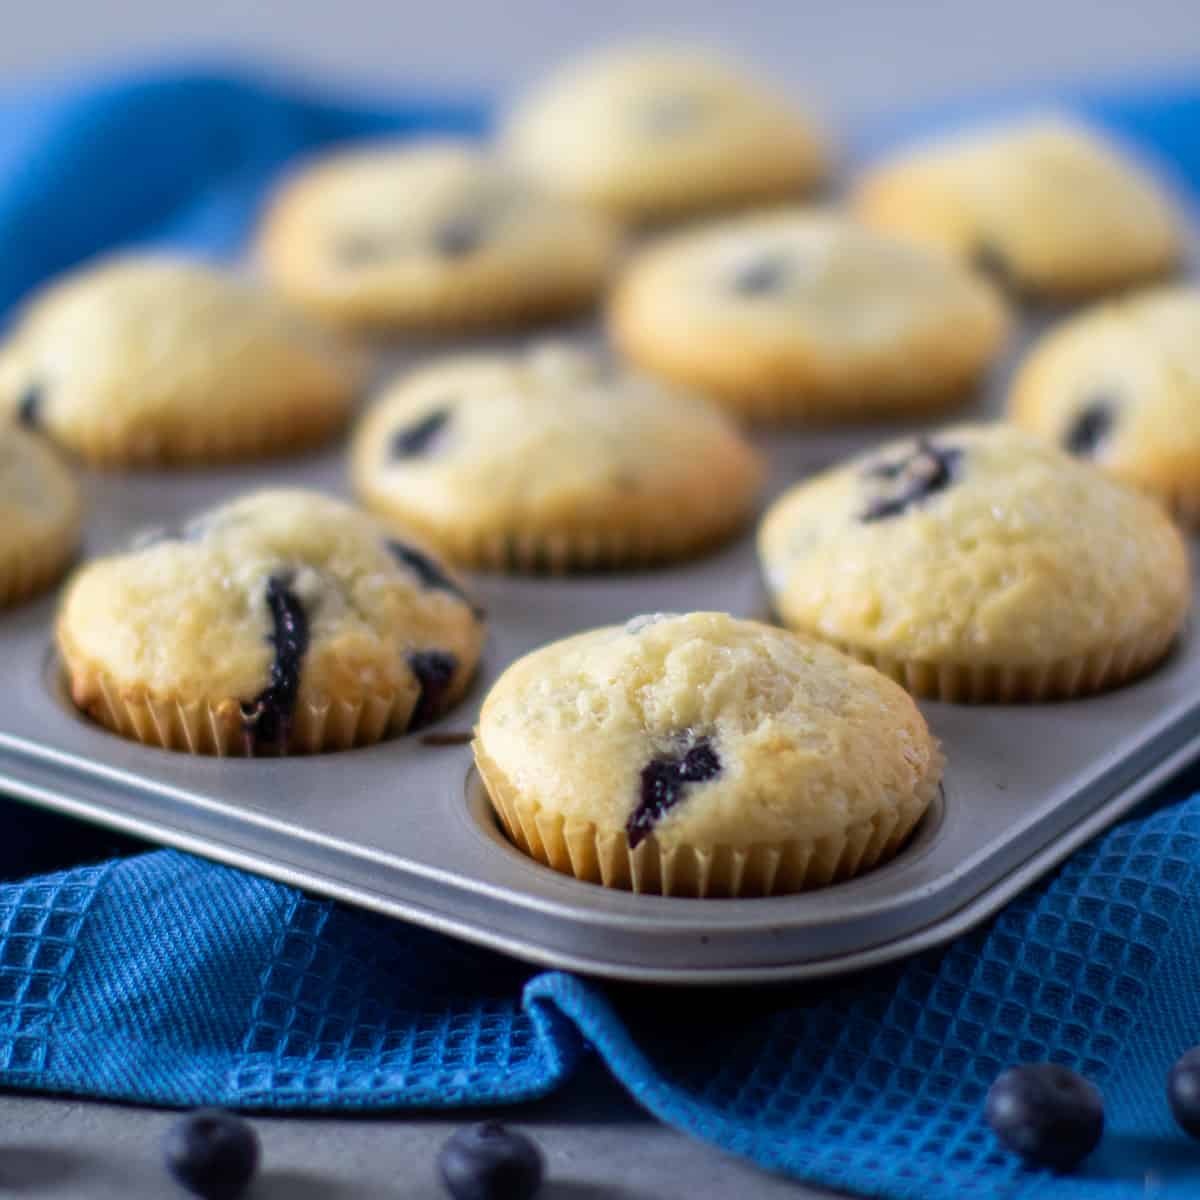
(856, 59)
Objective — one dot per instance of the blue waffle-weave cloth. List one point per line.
(159, 977)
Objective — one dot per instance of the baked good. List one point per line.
(282, 622)
(801, 315)
(551, 459)
(979, 564)
(702, 755)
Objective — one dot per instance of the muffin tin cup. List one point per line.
(404, 827)
(577, 848)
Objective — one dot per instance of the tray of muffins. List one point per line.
(814, 584)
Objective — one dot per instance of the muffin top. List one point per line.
(976, 545)
(1120, 385)
(812, 295)
(549, 439)
(38, 497)
(1044, 203)
(279, 595)
(139, 357)
(704, 730)
(396, 234)
(649, 132)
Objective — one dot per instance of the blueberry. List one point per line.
(672, 114)
(662, 782)
(490, 1162)
(760, 277)
(1091, 426)
(929, 469)
(213, 1154)
(1183, 1092)
(431, 574)
(434, 671)
(458, 237)
(29, 407)
(413, 440)
(268, 717)
(988, 259)
(1048, 1114)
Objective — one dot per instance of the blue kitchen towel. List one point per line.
(156, 976)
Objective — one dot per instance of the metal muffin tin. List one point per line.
(402, 827)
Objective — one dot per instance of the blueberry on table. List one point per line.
(490, 1162)
(213, 1154)
(1048, 1114)
(1183, 1092)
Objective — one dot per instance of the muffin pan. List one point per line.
(403, 828)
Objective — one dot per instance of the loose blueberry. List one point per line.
(29, 407)
(414, 440)
(458, 237)
(431, 575)
(1090, 428)
(929, 469)
(1183, 1092)
(1048, 1114)
(663, 781)
(490, 1162)
(268, 717)
(760, 277)
(213, 1154)
(434, 669)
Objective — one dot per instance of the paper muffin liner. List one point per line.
(1061, 679)
(578, 848)
(789, 405)
(217, 727)
(597, 549)
(34, 567)
(256, 434)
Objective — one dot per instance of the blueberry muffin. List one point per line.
(1046, 205)
(433, 237)
(700, 755)
(283, 622)
(552, 460)
(40, 516)
(797, 315)
(651, 133)
(1119, 385)
(153, 359)
(979, 564)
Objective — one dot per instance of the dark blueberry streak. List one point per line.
(988, 259)
(431, 574)
(928, 470)
(434, 669)
(268, 717)
(458, 237)
(663, 781)
(29, 407)
(1093, 424)
(415, 439)
(760, 277)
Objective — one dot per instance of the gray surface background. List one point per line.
(854, 60)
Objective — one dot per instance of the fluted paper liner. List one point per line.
(205, 726)
(578, 848)
(265, 433)
(1061, 679)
